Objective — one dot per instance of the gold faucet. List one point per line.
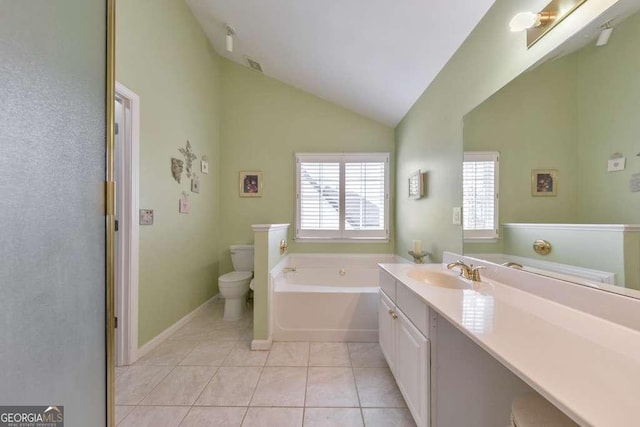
(467, 271)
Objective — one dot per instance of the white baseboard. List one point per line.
(158, 339)
(261, 344)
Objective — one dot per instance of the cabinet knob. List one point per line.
(393, 314)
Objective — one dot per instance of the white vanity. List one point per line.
(461, 353)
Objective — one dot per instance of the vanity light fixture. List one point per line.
(230, 33)
(538, 24)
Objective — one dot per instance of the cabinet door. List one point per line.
(386, 329)
(412, 368)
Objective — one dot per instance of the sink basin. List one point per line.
(439, 279)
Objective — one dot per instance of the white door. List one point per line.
(412, 368)
(386, 329)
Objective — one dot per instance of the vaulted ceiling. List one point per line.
(374, 57)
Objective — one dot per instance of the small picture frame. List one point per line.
(250, 184)
(416, 185)
(184, 205)
(544, 182)
(146, 216)
(195, 184)
(204, 166)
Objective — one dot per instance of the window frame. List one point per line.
(492, 235)
(342, 235)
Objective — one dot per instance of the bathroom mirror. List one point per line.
(577, 113)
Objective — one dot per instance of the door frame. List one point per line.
(127, 251)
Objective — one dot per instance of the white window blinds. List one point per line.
(342, 196)
(480, 195)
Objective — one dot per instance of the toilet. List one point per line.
(234, 286)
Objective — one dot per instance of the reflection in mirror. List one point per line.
(570, 115)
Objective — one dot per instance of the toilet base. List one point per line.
(233, 308)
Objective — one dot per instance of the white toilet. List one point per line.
(234, 286)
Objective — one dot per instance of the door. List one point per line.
(52, 173)
(386, 326)
(412, 368)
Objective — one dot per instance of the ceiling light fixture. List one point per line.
(539, 24)
(603, 38)
(230, 33)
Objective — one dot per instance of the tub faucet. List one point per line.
(467, 271)
(289, 269)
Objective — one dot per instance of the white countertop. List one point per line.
(587, 366)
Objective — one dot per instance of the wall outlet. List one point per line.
(457, 216)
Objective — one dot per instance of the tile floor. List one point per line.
(206, 375)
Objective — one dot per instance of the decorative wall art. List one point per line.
(204, 165)
(544, 182)
(250, 184)
(184, 204)
(189, 157)
(146, 216)
(195, 184)
(416, 185)
(176, 169)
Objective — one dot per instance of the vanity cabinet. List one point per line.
(405, 347)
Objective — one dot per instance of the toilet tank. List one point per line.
(242, 257)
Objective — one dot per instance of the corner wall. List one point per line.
(429, 137)
(264, 122)
(163, 56)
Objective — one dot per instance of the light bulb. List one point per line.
(524, 20)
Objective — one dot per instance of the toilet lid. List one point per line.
(234, 276)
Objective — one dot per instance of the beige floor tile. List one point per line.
(182, 386)
(333, 417)
(366, 355)
(242, 355)
(273, 417)
(156, 416)
(280, 386)
(288, 354)
(329, 354)
(377, 388)
(169, 353)
(230, 387)
(331, 387)
(209, 353)
(122, 411)
(209, 416)
(138, 381)
(385, 417)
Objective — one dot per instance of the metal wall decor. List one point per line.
(176, 169)
(189, 157)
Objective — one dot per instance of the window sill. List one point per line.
(359, 240)
(482, 240)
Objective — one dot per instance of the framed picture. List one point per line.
(195, 184)
(416, 185)
(250, 184)
(544, 182)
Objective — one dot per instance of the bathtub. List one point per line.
(319, 297)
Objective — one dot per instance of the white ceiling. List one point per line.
(374, 57)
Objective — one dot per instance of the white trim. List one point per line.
(158, 339)
(261, 344)
(575, 227)
(269, 227)
(474, 235)
(128, 250)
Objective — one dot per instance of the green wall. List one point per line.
(264, 122)
(609, 122)
(570, 114)
(430, 136)
(163, 56)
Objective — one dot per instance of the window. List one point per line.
(480, 195)
(342, 196)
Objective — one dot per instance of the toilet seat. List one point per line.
(235, 276)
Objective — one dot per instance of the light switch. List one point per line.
(457, 216)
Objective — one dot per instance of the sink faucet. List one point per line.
(467, 271)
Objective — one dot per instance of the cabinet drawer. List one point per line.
(414, 308)
(388, 284)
